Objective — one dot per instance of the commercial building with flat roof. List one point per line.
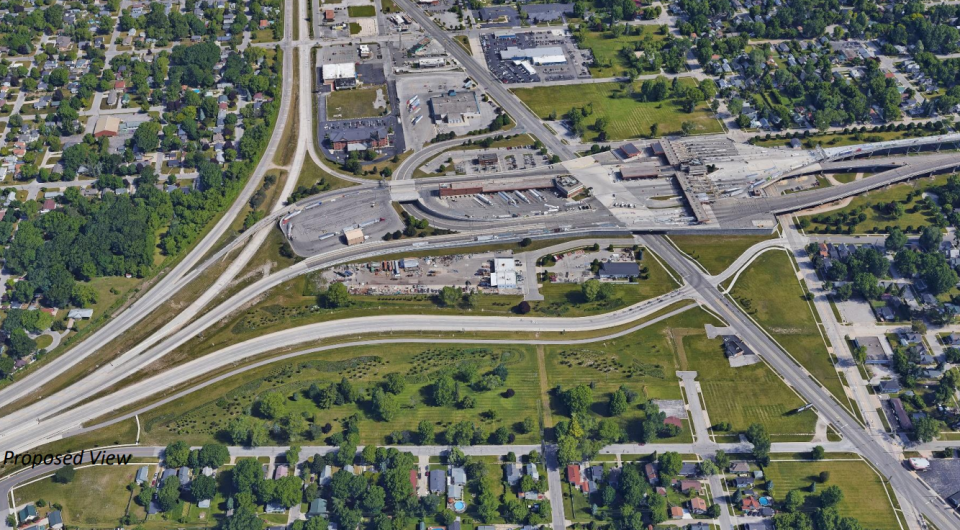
(639, 171)
(538, 56)
(455, 107)
(568, 185)
(504, 274)
(339, 71)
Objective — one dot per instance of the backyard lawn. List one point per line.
(626, 116)
(864, 495)
(786, 315)
(97, 497)
(606, 49)
(744, 395)
(716, 253)
(357, 103)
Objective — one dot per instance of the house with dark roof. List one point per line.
(743, 482)
(27, 513)
(688, 469)
(733, 346)
(889, 386)
(438, 481)
(55, 520)
(513, 473)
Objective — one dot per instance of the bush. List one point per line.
(509, 393)
(65, 475)
(523, 307)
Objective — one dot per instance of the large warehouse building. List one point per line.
(538, 56)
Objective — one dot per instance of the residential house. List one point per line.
(688, 469)
(458, 476)
(686, 486)
(318, 508)
(438, 481)
(27, 513)
(652, 472)
(889, 386)
(55, 520)
(743, 482)
(698, 506)
(532, 471)
(749, 504)
(142, 474)
(513, 473)
(676, 512)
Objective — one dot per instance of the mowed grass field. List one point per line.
(913, 216)
(606, 48)
(357, 103)
(202, 416)
(644, 361)
(362, 11)
(716, 253)
(786, 316)
(97, 497)
(744, 395)
(864, 495)
(626, 117)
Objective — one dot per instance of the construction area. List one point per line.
(488, 272)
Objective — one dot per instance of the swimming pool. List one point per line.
(459, 506)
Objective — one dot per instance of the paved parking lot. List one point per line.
(496, 206)
(574, 266)
(509, 72)
(346, 211)
(425, 86)
(943, 475)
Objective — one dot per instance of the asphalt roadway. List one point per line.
(730, 210)
(873, 449)
(520, 113)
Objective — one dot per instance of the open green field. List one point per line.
(744, 395)
(786, 316)
(356, 103)
(606, 48)
(915, 214)
(716, 253)
(627, 117)
(362, 11)
(97, 497)
(864, 495)
(645, 361)
(202, 416)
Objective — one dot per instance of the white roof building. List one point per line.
(504, 274)
(544, 55)
(339, 71)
